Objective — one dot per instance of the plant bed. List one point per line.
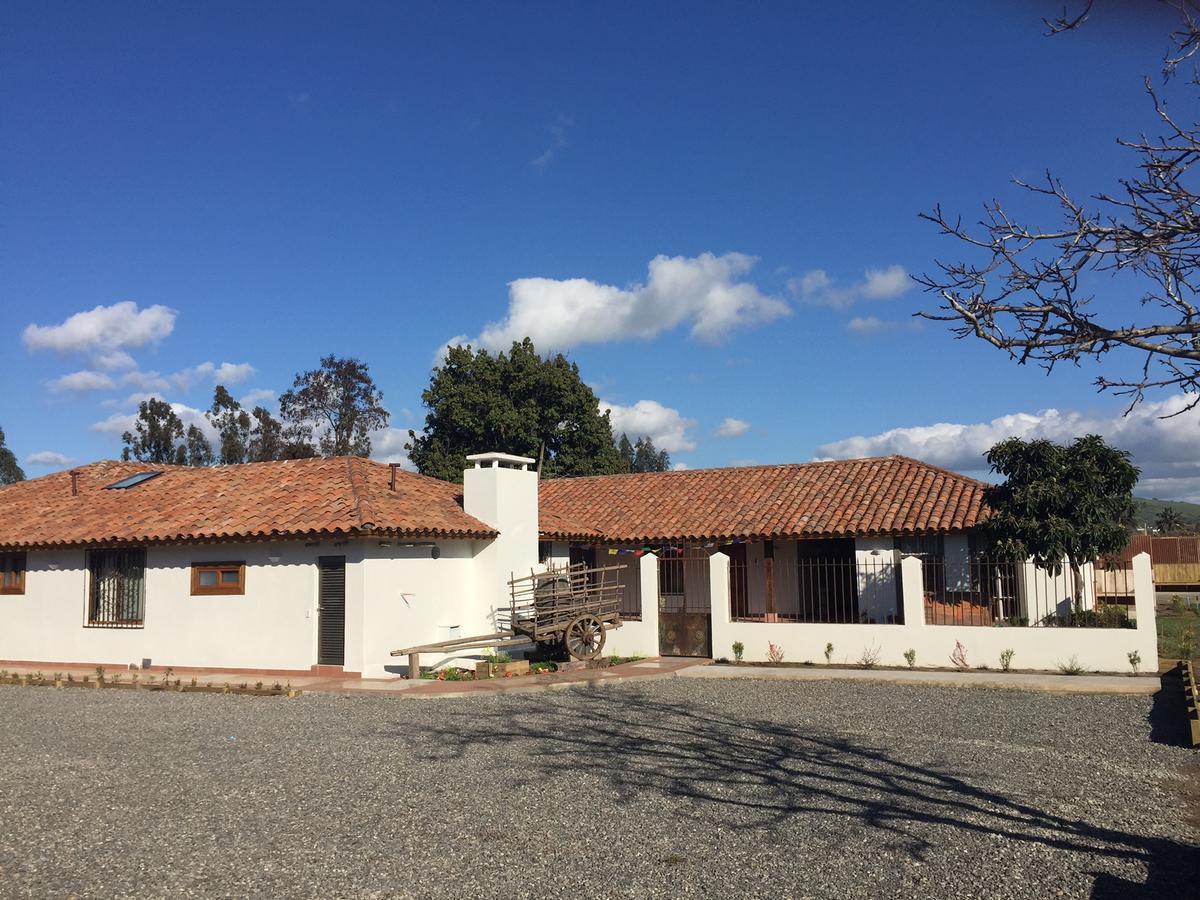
(507, 669)
(997, 670)
(117, 683)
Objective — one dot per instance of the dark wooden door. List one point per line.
(331, 611)
(684, 605)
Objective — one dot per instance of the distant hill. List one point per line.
(1147, 510)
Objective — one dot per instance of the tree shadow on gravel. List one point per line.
(745, 773)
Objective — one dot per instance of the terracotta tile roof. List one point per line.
(843, 498)
(341, 496)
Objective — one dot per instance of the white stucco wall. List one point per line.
(271, 626)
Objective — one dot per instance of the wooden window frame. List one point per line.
(219, 589)
(20, 568)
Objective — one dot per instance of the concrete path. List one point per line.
(1027, 681)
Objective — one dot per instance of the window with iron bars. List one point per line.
(117, 588)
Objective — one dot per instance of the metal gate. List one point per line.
(684, 604)
(331, 611)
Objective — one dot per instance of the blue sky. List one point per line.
(291, 180)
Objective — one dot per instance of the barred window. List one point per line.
(117, 588)
(12, 573)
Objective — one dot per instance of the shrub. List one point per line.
(1177, 604)
(1006, 659)
(959, 656)
(869, 658)
(739, 650)
(1135, 660)
(1186, 647)
(829, 652)
(910, 657)
(1071, 666)
(774, 653)
(499, 656)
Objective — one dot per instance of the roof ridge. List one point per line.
(783, 465)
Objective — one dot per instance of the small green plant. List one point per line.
(983, 667)
(1135, 660)
(828, 653)
(1006, 659)
(1186, 644)
(116, 679)
(910, 657)
(70, 678)
(1177, 604)
(739, 650)
(497, 657)
(1071, 666)
(258, 685)
(869, 658)
(774, 653)
(276, 687)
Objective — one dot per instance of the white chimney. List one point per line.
(502, 491)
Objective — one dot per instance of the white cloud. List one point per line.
(119, 423)
(1164, 448)
(118, 359)
(186, 379)
(662, 424)
(731, 428)
(704, 291)
(224, 374)
(866, 324)
(82, 382)
(145, 381)
(387, 445)
(257, 396)
(817, 287)
(48, 458)
(680, 467)
(104, 329)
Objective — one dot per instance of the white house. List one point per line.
(284, 567)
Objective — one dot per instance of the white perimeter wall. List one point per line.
(1095, 649)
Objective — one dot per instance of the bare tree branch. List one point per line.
(1031, 295)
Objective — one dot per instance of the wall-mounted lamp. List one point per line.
(273, 559)
(434, 550)
(54, 567)
(385, 543)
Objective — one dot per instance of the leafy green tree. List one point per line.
(648, 458)
(157, 436)
(626, 452)
(232, 424)
(516, 402)
(1168, 521)
(10, 472)
(1056, 502)
(196, 448)
(339, 403)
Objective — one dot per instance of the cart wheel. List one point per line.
(584, 637)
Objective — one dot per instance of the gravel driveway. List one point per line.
(677, 787)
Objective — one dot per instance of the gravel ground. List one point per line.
(676, 787)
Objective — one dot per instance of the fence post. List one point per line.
(1143, 610)
(718, 580)
(648, 582)
(912, 586)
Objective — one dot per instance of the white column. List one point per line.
(718, 579)
(1143, 610)
(648, 573)
(912, 581)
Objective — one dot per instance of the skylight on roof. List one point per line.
(131, 481)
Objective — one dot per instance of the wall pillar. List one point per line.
(912, 584)
(1143, 610)
(718, 579)
(648, 575)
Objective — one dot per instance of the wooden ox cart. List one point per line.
(571, 606)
